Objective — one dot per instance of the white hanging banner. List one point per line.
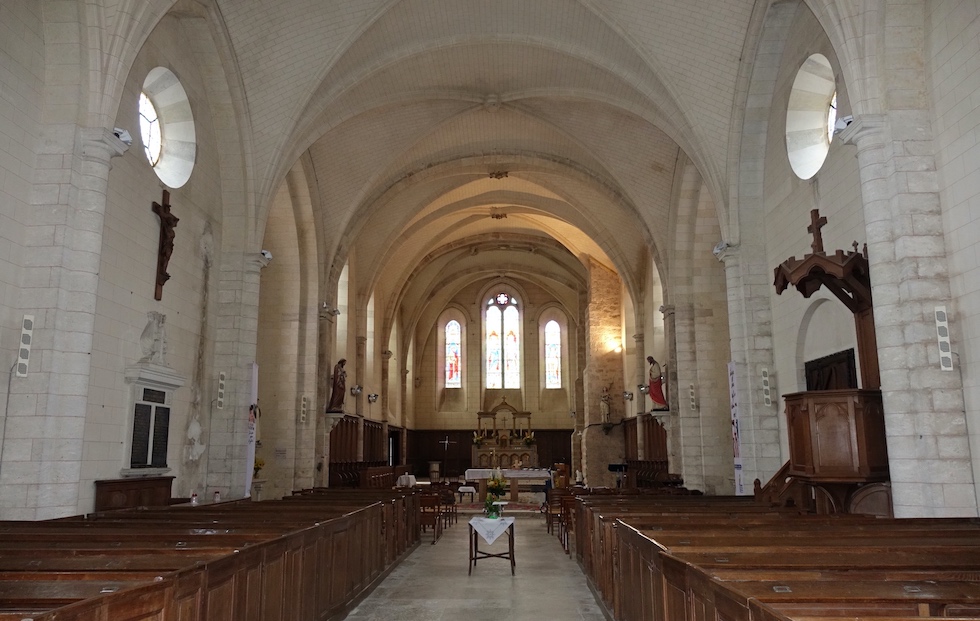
(740, 488)
(253, 396)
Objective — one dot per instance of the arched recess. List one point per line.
(450, 398)
(827, 328)
(558, 399)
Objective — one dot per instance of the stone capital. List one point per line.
(668, 310)
(865, 132)
(726, 253)
(100, 145)
(256, 262)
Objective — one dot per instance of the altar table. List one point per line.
(489, 530)
(530, 474)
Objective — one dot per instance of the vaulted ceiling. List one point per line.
(421, 120)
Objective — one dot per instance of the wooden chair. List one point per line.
(431, 514)
(552, 513)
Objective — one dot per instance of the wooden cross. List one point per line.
(816, 223)
(168, 222)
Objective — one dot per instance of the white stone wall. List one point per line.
(21, 81)
(955, 71)
(127, 275)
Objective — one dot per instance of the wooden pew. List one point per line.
(308, 558)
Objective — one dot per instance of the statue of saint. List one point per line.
(336, 403)
(604, 401)
(656, 385)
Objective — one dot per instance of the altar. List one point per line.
(529, 475)
(504, 439)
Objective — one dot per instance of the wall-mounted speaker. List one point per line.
(766, 386)
(304, 404)
(942, 334)
(220, 401)
(24, 351)
(693, 395)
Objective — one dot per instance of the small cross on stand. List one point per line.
(445, 443)
(816, 223)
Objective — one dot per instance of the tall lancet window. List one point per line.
(503, 329)
(552, 355)
(454, 359)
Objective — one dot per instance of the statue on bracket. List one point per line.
(336, 403)
(655, 383)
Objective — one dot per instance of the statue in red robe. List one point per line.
(656, 385)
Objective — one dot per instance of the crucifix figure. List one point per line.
(816, 223)
(168, 222)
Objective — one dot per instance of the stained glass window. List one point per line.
(495, 377)
(454, 378)
(512, 351)
(503, 346)
(552, 355)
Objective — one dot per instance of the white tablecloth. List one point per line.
(406, 480)
(491, 529)
(475, 474)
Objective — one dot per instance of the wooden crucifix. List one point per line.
(168, 222)
(817, 222)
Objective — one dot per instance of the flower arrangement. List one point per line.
(529, 438)
(257, 465)
(495, 489)
(477, 439)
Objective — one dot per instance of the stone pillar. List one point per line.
(603, 442)
(323, 383)
(360, 353)
(925, 425)
(749, 281)
(669, 419)
(46, 412)
(385, 394)
(686, 435)
(235, 347)
(641, 398)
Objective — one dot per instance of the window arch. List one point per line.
(454, 355)
(503, 342)
(552, 355)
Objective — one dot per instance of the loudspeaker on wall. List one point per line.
(942, 334)
(24, 351)
(220, 400)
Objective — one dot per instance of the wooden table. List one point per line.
(489, 530)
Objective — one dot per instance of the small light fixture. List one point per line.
(372, 397)
(643, 388)
(356, 389)
(627, 395)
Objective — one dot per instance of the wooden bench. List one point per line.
(306, 558)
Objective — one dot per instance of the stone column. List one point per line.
(360, 353)
(46, 412)
(925, 425)
(602, 441)
(235, 347)
(385, 394)
(669, 419)
(323, 383)
(639, 396)
(686, 435)
(748, 282)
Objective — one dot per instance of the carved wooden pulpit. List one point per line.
(837, 437)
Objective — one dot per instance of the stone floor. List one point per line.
(432, 583)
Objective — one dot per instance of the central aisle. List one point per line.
(432, 583)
